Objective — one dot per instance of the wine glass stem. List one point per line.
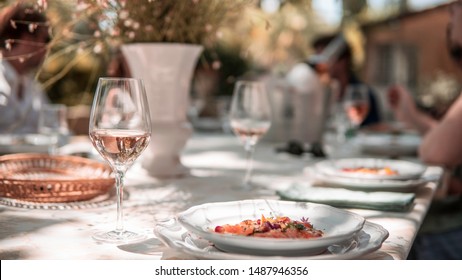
(120, 197)
(53, 147)
(249, 148)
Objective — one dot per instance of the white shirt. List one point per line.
(19, 116)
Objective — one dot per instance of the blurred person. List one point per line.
(441, 234)
(341, 70)
(24, 36)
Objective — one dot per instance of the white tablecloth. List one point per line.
(217, 162)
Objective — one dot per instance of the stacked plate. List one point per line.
(346, 235)
(370, 174)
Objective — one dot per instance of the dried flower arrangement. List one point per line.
(86, 32)
(181, 21)
(35, 10)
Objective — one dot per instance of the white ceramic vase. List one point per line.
(167, 70)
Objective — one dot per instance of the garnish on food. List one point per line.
(272, 227)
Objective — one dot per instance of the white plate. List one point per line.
(367, 240)
(338, 225)
(406, 170)
(366, 184)
(388, 144)
(373, 185)
(25, 143)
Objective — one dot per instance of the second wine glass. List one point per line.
(53, 123)
(250, 117)
(120, 129)
(356, 103)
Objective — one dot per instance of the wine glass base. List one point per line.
(247, 186)
(118, 237)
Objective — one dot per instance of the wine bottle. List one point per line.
(321, 62)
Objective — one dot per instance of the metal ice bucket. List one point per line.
(299, 106)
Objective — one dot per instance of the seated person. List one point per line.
(22, 51)
(342, 71)
(441, 233)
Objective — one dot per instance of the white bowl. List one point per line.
(367, 240)
(338, 225)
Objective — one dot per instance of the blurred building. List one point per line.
(410, 49)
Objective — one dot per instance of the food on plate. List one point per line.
(371, 170)
(277, 227)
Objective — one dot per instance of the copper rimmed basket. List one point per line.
(47, 178)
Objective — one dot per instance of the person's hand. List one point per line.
(401, 103)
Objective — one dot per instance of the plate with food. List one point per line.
(367, 240)
(370, 185)
(271, 227)
(371, 168)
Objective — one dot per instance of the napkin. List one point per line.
(338, 197)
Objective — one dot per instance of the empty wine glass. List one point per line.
(250, 118)
(53, 123)
(120, 130)
(356, 103)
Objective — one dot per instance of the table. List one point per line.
(217, 162)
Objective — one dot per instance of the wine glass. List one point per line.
(120, 130)
(250, 118)
(53, 123)
(356, 103)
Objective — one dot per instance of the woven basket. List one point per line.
(46, 178)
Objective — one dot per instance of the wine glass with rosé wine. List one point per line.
(356, 103)
(120, 130)
(250, 117)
